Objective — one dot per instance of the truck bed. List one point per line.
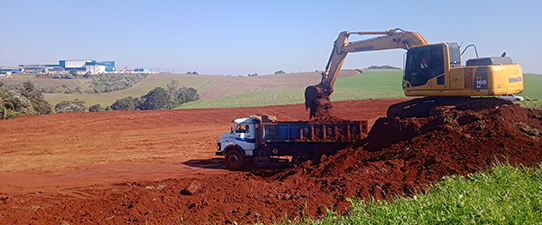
(314, 132)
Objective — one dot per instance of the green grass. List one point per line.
(251, 99)
(501, 195)
(532, 84)
(369, 85)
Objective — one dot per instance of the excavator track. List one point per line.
(424, 107)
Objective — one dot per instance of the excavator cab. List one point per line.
(430, 62)
(436, 70)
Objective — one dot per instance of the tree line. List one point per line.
(88, 84)
(24, 101)
(158, 98)
(29, 101)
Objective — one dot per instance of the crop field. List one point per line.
(372, 84)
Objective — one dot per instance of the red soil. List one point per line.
(158, 166)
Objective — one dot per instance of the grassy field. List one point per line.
(367, 85)
(501, 195)
(251, 99)
(372, 84)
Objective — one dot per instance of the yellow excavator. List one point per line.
(431, 70)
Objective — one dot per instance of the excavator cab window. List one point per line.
(455, 55)
(424, 63)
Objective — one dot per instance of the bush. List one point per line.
(13, 101)
(128, 103)
(156, 99)
(95, 108)
(71, 106)
(36, 99)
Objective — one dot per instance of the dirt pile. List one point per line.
(397, 158)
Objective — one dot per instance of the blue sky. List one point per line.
(242, 37)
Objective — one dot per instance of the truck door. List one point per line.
(245, 137)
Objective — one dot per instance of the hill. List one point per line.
(279, 89)
(208, 86)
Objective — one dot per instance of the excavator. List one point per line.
(432, 72)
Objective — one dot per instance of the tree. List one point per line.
(73, 72)
(95, 108)
(71, 106)
(187, 95)
(156, 99)
(179, 94)
(280, 72)
(14, 104)
(128, 103)
(36, 98)
(196, 73)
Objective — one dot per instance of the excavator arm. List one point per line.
(317, 96)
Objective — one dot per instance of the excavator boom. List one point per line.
(317, 96)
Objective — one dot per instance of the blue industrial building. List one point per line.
(81, 66)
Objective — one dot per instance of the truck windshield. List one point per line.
(241, 128)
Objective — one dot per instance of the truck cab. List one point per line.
(239, 144)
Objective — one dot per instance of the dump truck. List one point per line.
(261, 138)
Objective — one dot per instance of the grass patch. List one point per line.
(251, 99)
(369, 85)
(501, 195)
(531, 86)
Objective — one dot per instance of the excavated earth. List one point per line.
(158, 167)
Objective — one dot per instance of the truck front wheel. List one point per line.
(234, 160)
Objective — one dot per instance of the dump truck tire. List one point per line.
(299, 159)
(234, 160)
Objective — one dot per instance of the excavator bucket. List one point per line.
(311, 93)
(317, 100)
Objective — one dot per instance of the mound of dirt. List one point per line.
(399, 157)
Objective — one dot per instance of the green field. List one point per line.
(532, 86)
(501, 195)
(251, 99)
(372, 84)
(367, 85)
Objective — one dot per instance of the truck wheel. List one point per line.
(234, 160)
(299, 159)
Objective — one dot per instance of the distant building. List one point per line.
(141, 70)
(9, 70)
(81, 66)
(91, 66)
